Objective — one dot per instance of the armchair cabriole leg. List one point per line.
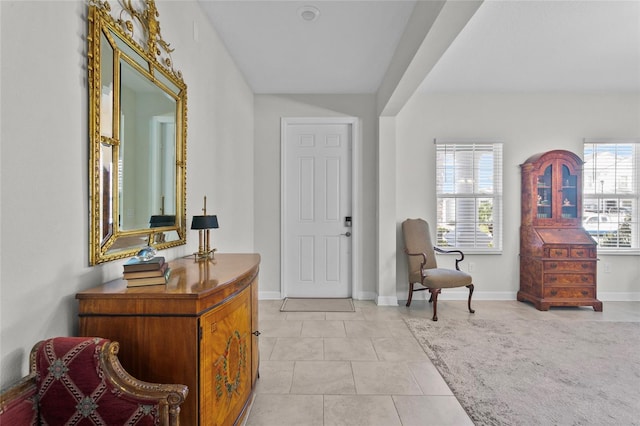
(410, 294)
(470, 287)
(434, 297)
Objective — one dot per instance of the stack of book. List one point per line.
(146, 272)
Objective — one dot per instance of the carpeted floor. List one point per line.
(538, 372)
(292, 304)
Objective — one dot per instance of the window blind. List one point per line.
(611, 193)
(469, 195)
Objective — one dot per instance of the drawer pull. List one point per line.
(580, 252)
(553, 279)
(558, 252)
(553, 265)
(256, 333)
(554, 292)
(585, 266)
(584, 278)
(584, 292)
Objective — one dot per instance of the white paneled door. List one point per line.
(317, 209)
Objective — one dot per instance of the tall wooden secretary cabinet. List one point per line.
(199, 330)
(557, 256)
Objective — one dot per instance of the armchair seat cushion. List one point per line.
(442, 278)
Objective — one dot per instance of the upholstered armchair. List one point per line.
(79, 380)
(423, 268)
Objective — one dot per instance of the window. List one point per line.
(469, 195)
(611, 194)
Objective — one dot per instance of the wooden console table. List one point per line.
(200, 330)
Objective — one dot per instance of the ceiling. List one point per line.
(510, 45)
(544, 46)
(346, 49)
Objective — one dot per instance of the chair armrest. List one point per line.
(439, 250)
(169, 396)
(424, 257)
(17, 402)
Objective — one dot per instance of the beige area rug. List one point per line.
(294, 304)
(538, 372)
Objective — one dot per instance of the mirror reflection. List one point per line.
(138, 135)
(147, 150)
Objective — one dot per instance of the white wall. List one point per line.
(527, 124)
(269, 109)
(44, 146)
(233, 158)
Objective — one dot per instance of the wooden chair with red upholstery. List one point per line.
(79, 380)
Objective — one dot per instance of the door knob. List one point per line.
(347, 234)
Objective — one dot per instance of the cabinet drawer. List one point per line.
(570, 292)
(569, 266)
(569, 279)
(558, 252)
(581, 252)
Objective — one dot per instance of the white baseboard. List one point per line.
(386, 301)
(460, 295)
(269, 295)
(511, 295)
(612, 296)
(366, 295)
(463, 294)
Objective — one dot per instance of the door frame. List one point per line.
(356, 194)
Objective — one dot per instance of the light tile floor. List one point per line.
(365, 367)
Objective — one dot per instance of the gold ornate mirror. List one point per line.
(137, 126)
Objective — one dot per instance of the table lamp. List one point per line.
(204, 224)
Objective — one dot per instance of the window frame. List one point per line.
(496, 195)
(603, 198)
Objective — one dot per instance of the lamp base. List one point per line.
(203, 256)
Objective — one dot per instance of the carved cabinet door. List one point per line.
(225, 361)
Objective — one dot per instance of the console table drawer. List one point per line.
(570, 292)
(569, 279)
(569, 266)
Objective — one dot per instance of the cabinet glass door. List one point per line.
(544, 197)
(569, 194)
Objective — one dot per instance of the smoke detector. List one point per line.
(309, 13)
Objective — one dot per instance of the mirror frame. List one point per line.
(136, 27)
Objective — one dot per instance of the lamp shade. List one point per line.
(204, 222)
(158, 221)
